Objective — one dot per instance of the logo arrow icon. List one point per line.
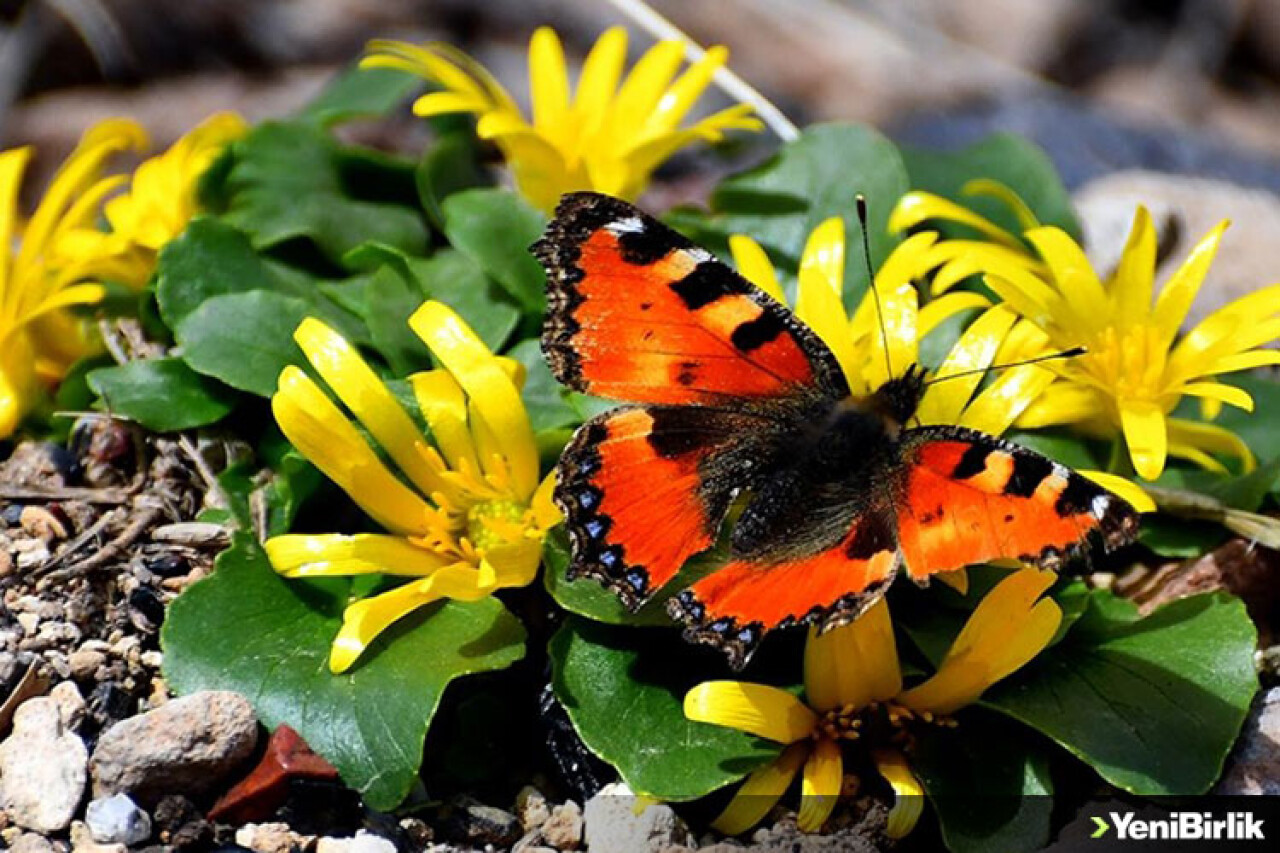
(1102, 827)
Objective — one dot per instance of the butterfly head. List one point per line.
(898, 399)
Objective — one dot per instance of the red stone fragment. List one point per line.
(256, 797)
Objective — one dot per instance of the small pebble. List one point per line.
(563, 829)
(85, 662)
(117, 820)
(531, 808)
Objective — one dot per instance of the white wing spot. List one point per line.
(630, 225)
(700, 255)
(1100, 504)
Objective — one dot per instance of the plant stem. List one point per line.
(647, 18)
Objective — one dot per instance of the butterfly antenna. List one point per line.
(861, 202)
(1066, 353)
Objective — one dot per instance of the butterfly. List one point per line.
(734, 407)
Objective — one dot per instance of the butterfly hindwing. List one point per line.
(735, 606)
(967, 497)
(644, 488)
(636, 312)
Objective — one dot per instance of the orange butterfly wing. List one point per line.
(638, 313)
(970, 498)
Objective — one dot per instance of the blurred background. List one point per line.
(1132, 98)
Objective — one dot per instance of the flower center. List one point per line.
(839, 723)
(494, 523)
(1129, 361)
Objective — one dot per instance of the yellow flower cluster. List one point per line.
(852, 676)
(1139, 364)
(609, 136)
(464, 510)
(60, 258)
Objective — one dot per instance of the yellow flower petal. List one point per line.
(1126, 489)
(761, 790)
(759, 709)
(994, 189)
(944, 402)
(908, 793)
(515, 564)
(1008, 628)
(311, 555)
(548, 81)
(997, 406)
(323, 434)
(820, 283)
(1134, 279)
(600, 74)
(754, 265)
(365, 619)
(490, 390)
(1062, 403)
(916, 207)
(360, 389)
(946, 306)
(545, 512)
(820, 785)
(1145, 434)
(685, 91)
(1211, 438)
(1180, 291)
(1228, 394)
(855, 664)
(1076, 281)
(444, 407)
(647, 82)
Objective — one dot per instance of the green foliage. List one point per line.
(163, 394)
(1153, 704)
(293, 181)
(817, 176)
(988, 783)
(1004, 157)
(360, 93)
(625, 697)
(246, 629)
(494, 228)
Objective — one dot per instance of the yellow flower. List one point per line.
(853, 688)
(155, 208)
(39, 338)
(607, 137)
(861, 349)
(465, 512)
(1137, 367)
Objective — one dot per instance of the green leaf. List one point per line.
(213, 259)
(359, 93)
(495, 228)
(988, 783)
(244, 339)
(1243, 491)
(450, 165)
(809, 180)
(162, 394)
(1180, 537)
(390, 301)
(246, 629)
(1257, 428)
(624, 692)
(544, 397)
(449, 276)
(1005, 157)
(1153, 704)
(293, 181)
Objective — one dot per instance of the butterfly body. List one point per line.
(737, 410)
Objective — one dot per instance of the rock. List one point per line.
(42, 768)
(117, 820)
(85, 662)
(271, 838)
(71, 705)
(531, 808)
(1184, 210)
(418, 832)
(363, 842)
(186, 746)
(474, 823)
(1254, 765)
(31, 842)
(612, 826)
(82, 841)
(563, 829)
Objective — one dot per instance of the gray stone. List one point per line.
(612, 825)
(31, 842)
(473, 822)
(363, 842)
(1254, 765)
(42, 768)
(71, 704)
(186, 746)
(531, 808)
(117, 820)
(563, 830)
(82, 841)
